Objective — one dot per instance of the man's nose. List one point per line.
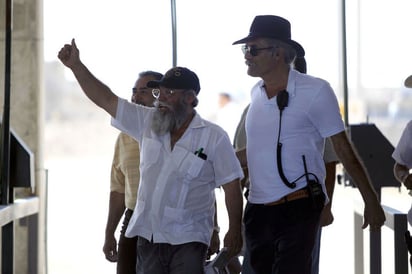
(134, 98)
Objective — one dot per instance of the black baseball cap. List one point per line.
(177, 78)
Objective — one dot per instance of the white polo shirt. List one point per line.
(312, 114)
(403, 151)
(175, 200)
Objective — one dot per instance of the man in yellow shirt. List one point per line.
(123, 185)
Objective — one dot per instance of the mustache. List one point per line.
(158, 104)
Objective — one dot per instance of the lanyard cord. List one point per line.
(279, 158)
(282, 101)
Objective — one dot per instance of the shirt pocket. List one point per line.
(189, 164)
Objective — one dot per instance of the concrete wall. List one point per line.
(26, 107)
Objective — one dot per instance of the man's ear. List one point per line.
(190, 98)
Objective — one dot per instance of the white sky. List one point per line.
(118, 39)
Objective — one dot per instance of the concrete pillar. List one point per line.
(26, 109)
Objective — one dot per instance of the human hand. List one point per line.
(374, 215)
(110, 249)
(326, 216)
(214, 244)
(69, 54)
(233, 242)
(408, 182)
(408, 241)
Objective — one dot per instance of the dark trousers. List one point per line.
(162, 258)
(127, 253)
(281, 238)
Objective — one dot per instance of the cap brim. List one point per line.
(408, 82)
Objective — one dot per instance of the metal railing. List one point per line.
(26, 208)
(397, 222)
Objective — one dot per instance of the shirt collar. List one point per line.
(197, 121)
(291, 86)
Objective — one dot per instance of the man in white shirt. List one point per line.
(183, 159)
(290, 116)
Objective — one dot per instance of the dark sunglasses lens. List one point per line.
(253, 51)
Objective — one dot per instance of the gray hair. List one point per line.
(290, 52)
(154, 74)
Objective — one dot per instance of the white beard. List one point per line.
(162, 123)
(165, 122)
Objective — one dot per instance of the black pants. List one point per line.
(162, 258)
(127, 249)
(281, 238)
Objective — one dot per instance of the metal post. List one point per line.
(174, 32)
(344, 65)
(375, 251)
(358, 243)
(400, 249)
(375, 246)
(7, 252)
(7, 256)
(5, 126)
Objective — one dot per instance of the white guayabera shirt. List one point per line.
(175, 201)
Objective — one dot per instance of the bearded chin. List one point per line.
(162, 123)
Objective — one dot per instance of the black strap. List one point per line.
(280, 168)
(282, 100)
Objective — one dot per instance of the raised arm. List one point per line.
(98, 92)
(374, 214)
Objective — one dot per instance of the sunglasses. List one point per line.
(253, 50)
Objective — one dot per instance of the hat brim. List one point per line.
(408, 82)
(300, 52)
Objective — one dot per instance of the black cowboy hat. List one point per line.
(272, 26)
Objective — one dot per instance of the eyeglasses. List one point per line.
(253, 50)
(167, 92)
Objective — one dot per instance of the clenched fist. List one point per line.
(69, 55)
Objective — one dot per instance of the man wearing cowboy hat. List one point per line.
(290, 116)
